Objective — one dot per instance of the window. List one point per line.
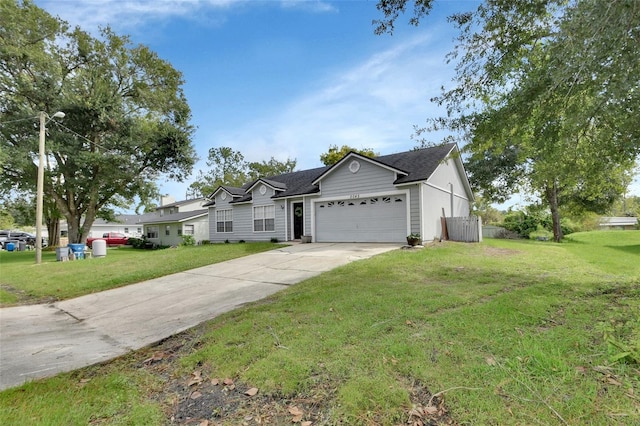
(179, 232)
(126, 230)
(152, 232)
(264, 218)
(224, 221)
(167, 230)
(188, 229)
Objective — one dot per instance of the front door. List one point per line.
(298, 220)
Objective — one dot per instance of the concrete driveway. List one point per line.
(42, 340)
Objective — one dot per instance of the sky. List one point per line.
(289, 78)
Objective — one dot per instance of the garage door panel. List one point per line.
(376, 219)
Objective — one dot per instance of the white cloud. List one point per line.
(127, 15)
(374, 104)
(316, 6)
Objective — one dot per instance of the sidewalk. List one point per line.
(42, 340)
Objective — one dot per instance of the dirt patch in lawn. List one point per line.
(24, 298)
(199, 399)
(499, 252)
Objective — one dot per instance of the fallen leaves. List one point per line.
(421, 415)
(196, 378)
(251, 392)
(156, 357)
(297, 414)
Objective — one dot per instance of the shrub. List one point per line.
(188, 240)
(568, 226)
(505, 234)
(274, 240)
(138, 243)
(541, 234)
(205, 242)
(526, 222)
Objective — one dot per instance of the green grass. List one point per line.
(22, 280)
(509, 332)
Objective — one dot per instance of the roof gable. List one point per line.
(411, 166)
(350, 156)
(231, 190)
(419, 164)
(273, 184)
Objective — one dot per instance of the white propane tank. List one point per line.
(99, 248)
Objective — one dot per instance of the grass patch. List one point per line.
(504, 332)
(24, 281)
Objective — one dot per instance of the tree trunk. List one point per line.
(53, 226)
(52, 220)
(552, 199)
(79, 230)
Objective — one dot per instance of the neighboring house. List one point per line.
(618, 222)
(358, 199)
(128, 224)
(172, 220)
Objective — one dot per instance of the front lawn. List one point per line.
(503, 332)
(22, 281)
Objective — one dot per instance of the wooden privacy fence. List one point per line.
(467, 229)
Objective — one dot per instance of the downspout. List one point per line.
(451, 198)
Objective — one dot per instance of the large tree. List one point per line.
(546, 96)
(228, 167)
(335, 154)
(126, 123)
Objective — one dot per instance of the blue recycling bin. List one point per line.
(78, 250)
(10, 246)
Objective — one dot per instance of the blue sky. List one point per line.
(288, 78)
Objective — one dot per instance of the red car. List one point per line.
(112, 239)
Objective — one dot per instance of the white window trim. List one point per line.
(264, 217)
(155, 229)
(224, 221)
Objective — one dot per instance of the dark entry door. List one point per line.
(298, 220)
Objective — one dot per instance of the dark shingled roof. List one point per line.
(418, 165)
(233, 190)
(277, 185)
(298, 183)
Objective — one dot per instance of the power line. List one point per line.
(84, 138)
(18, 120)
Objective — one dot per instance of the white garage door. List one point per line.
(377, 219)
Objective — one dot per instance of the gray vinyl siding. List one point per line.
(243, 218)
(369, 179)
(307, 215)
(214, 235)
(200, 229)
